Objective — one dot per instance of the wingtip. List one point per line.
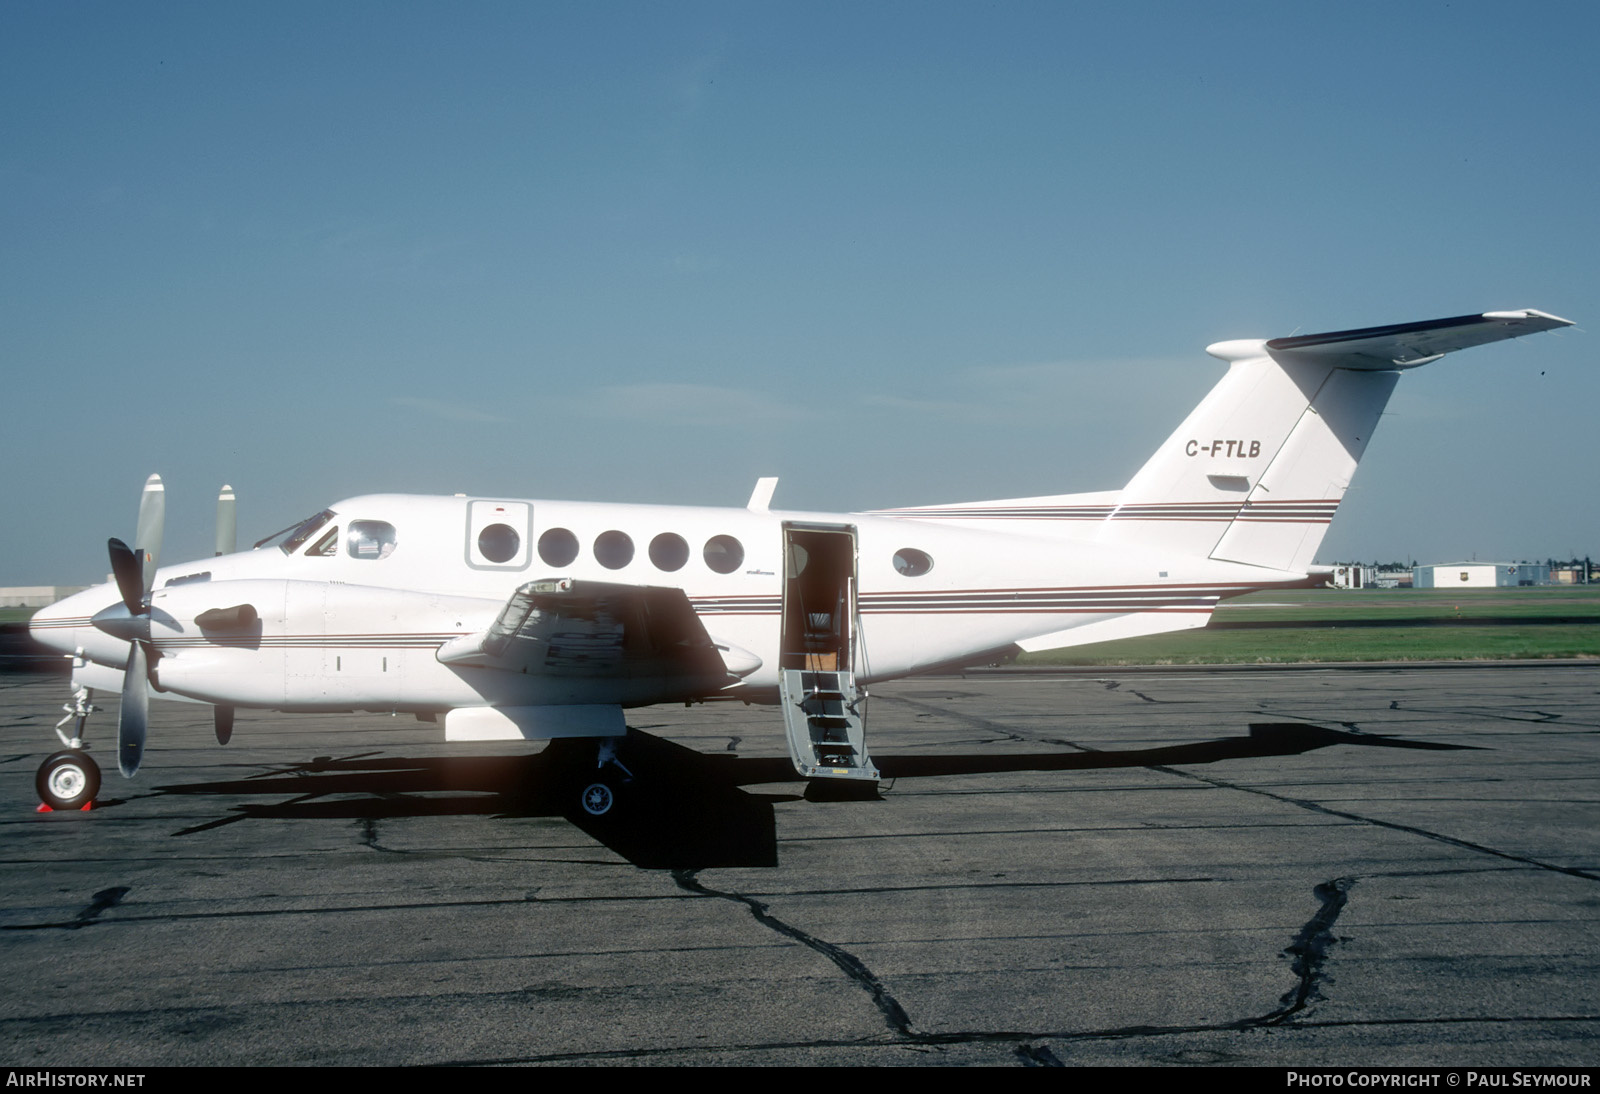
(1529, 313)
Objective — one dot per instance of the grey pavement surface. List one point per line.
(1308, 867)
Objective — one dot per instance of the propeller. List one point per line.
(227, 543)
(133, 719)
(134, 570)
(227, 521)
(152, 519)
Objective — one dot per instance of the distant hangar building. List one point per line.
(36, 596)
(1479, 575)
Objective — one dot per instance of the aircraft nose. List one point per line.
(59, 626)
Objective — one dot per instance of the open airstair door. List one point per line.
(822, 709)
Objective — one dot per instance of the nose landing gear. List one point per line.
(70, 779)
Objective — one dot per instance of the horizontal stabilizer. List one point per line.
(1406, 345)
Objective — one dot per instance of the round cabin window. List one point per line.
(724, 554)
(558, 547)
(613, 549)
(499, 542)
(669, 551)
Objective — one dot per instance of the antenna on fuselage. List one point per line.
(761, 496)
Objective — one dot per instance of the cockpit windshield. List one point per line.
(297, 534)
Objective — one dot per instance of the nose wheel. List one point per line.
(68, 780)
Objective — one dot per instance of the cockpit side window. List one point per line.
(302, 532)
(370, 539)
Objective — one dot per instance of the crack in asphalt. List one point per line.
(369, 836)
(494, 902)
(1395, 826)
(1524, 714)
(994, 728)
(1028, 1052)
(894, 1015)
(1309, 951)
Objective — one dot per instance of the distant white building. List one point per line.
(1479, 575)
(36, 596)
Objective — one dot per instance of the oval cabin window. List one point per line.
(910, 562)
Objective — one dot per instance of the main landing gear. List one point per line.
(70, 779)
(599, 797)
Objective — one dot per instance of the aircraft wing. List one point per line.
(595, 630)
(1406, 345)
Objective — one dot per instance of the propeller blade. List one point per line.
(129, 575)
(227, 522)
(152, 519)
(133, 719)
(222, 721)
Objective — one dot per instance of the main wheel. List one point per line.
(68, 780)
(598, 799)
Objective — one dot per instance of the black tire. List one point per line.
(68, 780)
(597, 800)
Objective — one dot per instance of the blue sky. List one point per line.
(893, 253)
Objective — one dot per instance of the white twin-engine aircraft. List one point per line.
(515, 619)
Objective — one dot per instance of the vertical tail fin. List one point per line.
(1256, 471)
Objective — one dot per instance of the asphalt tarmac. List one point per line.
(1380, 866)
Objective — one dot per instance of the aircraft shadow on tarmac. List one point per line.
(691, 809)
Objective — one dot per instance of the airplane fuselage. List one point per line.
(352, 615)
